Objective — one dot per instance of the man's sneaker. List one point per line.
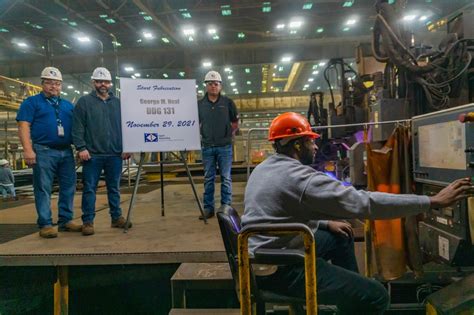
(70, 227)
(88, 229)
(120, 223)
(48, 232)
(207, 214)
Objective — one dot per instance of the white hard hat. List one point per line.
(101, 73)
(3, 162)
(213, 76)
(51, 73)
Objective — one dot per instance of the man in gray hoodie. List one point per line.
(285, 189)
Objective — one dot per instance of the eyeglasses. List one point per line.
(213, 83)
(52, 83)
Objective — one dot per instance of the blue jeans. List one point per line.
(339, 282)
(211, 158)
(91, 170)
(7, 189)
(51, 162)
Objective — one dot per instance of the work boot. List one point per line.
(207, 214)
(48, 232)
(120, 223)
(70, 227)
(88, 229)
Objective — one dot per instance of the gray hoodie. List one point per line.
(282, 190)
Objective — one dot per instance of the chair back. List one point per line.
(230, 226)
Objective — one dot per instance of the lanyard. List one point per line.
(55, 105)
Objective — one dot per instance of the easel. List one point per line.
(183, 159)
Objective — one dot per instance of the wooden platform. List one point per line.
(178, 237)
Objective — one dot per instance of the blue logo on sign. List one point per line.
(151, 137)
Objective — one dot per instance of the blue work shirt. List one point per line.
(41, 114)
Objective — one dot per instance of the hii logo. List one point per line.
(151, 137)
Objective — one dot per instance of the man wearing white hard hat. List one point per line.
(218, 119)
(97, 135)
(7, 180)
(45, 124)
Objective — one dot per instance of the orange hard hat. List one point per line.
(290, 125)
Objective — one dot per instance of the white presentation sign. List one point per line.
(159, 115)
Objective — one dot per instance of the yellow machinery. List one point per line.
(13, 92)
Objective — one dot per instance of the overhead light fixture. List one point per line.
(310, 79)
(133, 77)
(165, 40)
(215, 37)
(249, 91)
(351, 22)
(345, 29)
(230, 77)
(110, 21)
(227, 69)
(320, 30)
(182, 73)
(83, 39)
(319, 88)
(247, 70)
(129, 69)
(188, 31)
(234, 89)
(306, 86)
(185, 13)
(207, 64)
(280, 26)
(293, 31)
(165, 75)
(85, 92)
(249, 82)
(70, 87)
(423, 18)
(348, 4)
(147, 35)
(3, 30)
(21, 44)
(307, 6)
(286, 59)
(226, 10)
(266, 7)
(191, 39)
(212, 31)
(137, 75)
(409, 17)
(241, 35)
(233, 84)
(295, 24)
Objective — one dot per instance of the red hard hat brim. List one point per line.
(312, 135)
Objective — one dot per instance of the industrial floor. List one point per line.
(177, 237)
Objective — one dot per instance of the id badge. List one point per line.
(60, 131)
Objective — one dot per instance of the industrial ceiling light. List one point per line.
(22, 44)
(351, 22)
(316, 72)
(212, 31)
(147, 35)
(322, 63)
(310, 79)
(83, 39)
(409, 17)
(241, 35)
(227, 69)
(345, 29)
(165, 75)
(233, 84)
(225, 10)
(280, 26)
(247, 70)
(215, 37)
(230, 77)
(206, 64)
(129, 69)
(286, 59)
(295, 24)
(137, 75)
(307, 6)
(188, 31)
(423, 18)
(320, 30)
(70, 87)
(165, 40)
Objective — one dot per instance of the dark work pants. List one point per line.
(338, 282)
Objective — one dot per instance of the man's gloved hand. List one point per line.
(341, 227)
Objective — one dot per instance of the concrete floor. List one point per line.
(177, 237)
